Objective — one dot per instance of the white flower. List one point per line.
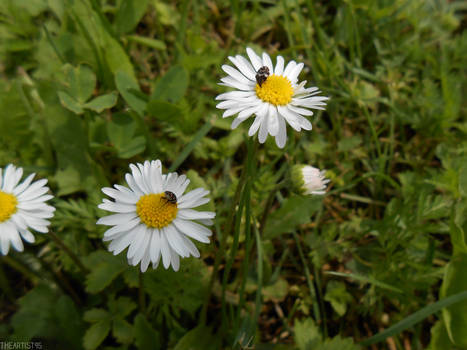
(22, 206)
(273, 94)
(309, 180)
(154, 218)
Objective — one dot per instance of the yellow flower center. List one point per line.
(155, 211)
(276, 90)
(7, 206)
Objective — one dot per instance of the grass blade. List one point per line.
(365, 279)
(416, 317)
(190, 146)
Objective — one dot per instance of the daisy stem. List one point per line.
(67, 250)
(316, 307)
(223, 241)
(142, 297)
(248, 245)
(259, 249)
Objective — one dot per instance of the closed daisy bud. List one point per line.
(309, 180)
(154, 218)
(22, 207)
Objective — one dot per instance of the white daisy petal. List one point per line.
(281, 137)
(279, 99)
(190, 246)
(267, 62)
(235, 74)
(190, 214)
(192, 229)
(263, 130)
(175, 241)
(23, 185)
(116, 219)
(243, 66)
(165, 251)
(175, 260)
(289, 68)
(279, 65)
(273, 122)
(231, 82)
(22, 207)
(155, 249)
(158, 227)
(293, 75)
(254, 58)
(256, 124)
(120, 196)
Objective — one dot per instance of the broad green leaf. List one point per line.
(306, 334)
(46, 314)
(463, 180)
(149, 42)
(102, 102)
(120, 132)
(117, 59)
(81, 81)
(337, 295)
(104, 268)
(455, 316)
(96, 315)
(295, 211)
(70, 103)
(277, 291)
(458, 227)
(349, 143)
(199, 338)
(165, 111)
(145, 336)
(96, 334)
(337, 343)
(31, 320)
(121, 307)
(172, 86)
(76, 169)
(122, 331)
(125, 85)
(135, 146)
(129, 14)
(439, 337)
(168, 288)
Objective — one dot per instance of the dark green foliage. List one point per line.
(88, 86)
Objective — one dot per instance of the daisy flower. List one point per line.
(22, 207)
(271, 93)
(309, 180)
(154, 218)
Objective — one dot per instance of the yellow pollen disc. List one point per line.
(7, 205)
(155, 211)
(276, 90)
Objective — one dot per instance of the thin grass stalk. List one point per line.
(258, 301)
(316, 307)
(248, 245)
(223, 241)
(252, 146)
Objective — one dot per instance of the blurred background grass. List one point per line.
(88, 86)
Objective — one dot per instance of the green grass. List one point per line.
(89, 86)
